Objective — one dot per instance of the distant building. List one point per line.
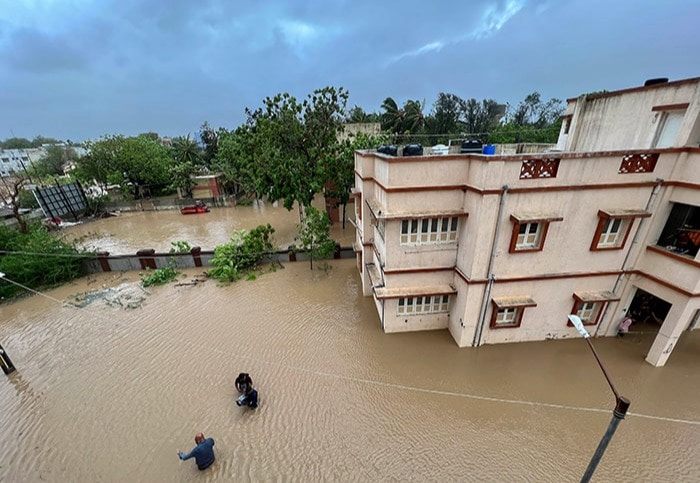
(353, 128)
(206, 186)
(503, 248)
(16, 161)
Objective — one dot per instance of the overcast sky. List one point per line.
(80, 69)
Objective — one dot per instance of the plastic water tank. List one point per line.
(389, 149)
(440, 149)
(413, 150)
(471, 146)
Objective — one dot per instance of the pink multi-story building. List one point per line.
(503, 248)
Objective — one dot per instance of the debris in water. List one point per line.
(127, 295)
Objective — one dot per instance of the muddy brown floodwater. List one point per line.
(134, 231)
(113, 379)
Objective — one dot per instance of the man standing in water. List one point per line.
(203, 453)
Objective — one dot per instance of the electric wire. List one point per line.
(390, 385)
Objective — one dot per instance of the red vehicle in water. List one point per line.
(199, 207)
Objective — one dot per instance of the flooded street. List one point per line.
(108, 393)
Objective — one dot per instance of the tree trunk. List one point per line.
(14, 201)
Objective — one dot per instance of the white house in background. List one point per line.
(17, 160)
(503, 248)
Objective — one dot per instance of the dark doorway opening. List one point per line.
(647, 311)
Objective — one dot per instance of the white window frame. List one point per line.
(670, 123)
(429, 231)
(612, 235)
(428, 304)
(588, 311)
(529, 240)
(507, 317)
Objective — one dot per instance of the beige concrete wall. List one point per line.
(410, 323)
(353, 128)
(626, 120)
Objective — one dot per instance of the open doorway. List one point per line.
(648, 312)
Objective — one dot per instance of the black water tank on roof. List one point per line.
(413, 150)
(389, 149)
(471, 146)
(658, 80)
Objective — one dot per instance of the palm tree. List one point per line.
(187, 154)
(413, 116)
(186, 150)
(392, 118)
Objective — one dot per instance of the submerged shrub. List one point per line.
(246, 250)
(159, 276)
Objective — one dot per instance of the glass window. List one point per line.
(423, 305)
(429, 231)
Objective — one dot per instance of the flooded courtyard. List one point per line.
(113, 379)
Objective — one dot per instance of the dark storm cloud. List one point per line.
(82, 68)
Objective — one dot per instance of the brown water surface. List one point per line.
(133, 231)
(109, 393)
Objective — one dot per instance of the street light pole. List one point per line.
(621, 405)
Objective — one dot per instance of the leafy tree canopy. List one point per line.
(314, 235)
(301, 142)
(139, 165)
(32, 270)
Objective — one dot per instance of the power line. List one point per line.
(38, 254)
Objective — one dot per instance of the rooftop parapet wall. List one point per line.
(533, 171)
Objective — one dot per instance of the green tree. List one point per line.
(244, 156)
(59, 261)
(139, 165)
(303, 141)
(480, 118)
(393, 117)
(15, 193)
(446, 117)
(54, 160)
(153, 136)
(532, 121)
(182, 177)
(414, 120)
(187, 155)
(403, 121)
(314, 236)
(39, 141)
(16, 143)
(341, 171)
(245, 251)
(358, 115)
(210, 141)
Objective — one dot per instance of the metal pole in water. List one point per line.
(621, 405)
